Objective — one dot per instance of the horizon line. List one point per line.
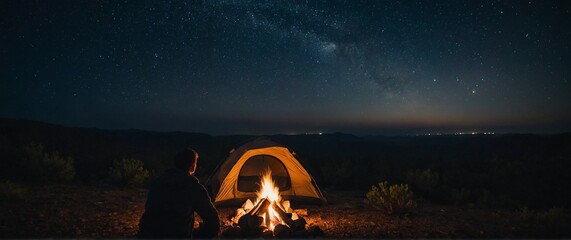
(404, 133)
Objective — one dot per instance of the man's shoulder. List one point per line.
(193, 179)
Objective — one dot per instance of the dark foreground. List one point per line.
(73, 211)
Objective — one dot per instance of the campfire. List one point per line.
(269, 215)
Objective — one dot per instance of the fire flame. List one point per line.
(269, 190)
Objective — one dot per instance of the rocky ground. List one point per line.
(79, 211)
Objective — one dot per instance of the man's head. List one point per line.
(186, 160)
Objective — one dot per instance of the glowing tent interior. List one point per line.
(238, 177)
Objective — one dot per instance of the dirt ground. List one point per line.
(96, 212)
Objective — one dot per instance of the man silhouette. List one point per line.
(172, 200)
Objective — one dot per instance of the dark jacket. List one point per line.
(169, 212)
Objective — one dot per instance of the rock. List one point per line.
(299, 224)
(267, 234)
(300, 234)
(255, 222)
(255, 233)
(294, 216)
(282, 231)
(243, 222)
(315, 231)
(248, 205)
(233, 232)
(301, 212)
(239, 213)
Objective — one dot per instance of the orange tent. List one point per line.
(238, 177)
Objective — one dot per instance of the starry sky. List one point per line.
(266, 67)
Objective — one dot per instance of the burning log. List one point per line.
(262, 207)
(248, 205)
(239, 213)
(286, 206)
(282, 231)
(284, 216)
(257, 207)
(268, 218)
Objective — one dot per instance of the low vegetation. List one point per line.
(128, 172)
(12, 192)
(396, 198)
(423, 179)
(460, 196)
(47, 167)
(554, 215)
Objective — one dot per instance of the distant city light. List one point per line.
(456, 133)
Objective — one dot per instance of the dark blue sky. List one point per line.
(263, 67)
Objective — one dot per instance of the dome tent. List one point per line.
(237, 178)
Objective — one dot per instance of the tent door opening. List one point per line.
(249, 177)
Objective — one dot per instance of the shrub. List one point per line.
(425, 180)
(48, 167)
(128, 172)
(526, 214)
(556, 222)
(553, 217)
(58, 168)
(12, 191)
(391, 198)
(460, 196)
(487, 199)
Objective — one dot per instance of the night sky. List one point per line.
(265, 67)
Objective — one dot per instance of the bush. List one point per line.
(555, 215)
(526, 214)
(58, 168)
(128, 172)
(425, 180)
(553, 218)
(47, 167)
(460, 196)
(391, 199)
(12, 191)
(487, 199)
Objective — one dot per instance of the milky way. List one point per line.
(263, 67)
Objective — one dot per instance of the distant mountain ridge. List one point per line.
(95, 149)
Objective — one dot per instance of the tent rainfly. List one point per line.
(238, 177)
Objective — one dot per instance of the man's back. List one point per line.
(169, 212)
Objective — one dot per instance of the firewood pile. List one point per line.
(270, 219)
